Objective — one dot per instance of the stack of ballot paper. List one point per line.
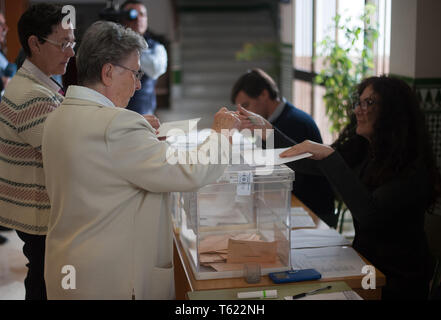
(331, 262)
(229, 253)
(316, 238)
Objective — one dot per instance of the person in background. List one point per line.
(384, 169)
(153, 61)
(109, 182)
(7, 69)
(257, 97)
(29, 97)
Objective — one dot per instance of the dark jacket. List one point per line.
(144, 99)
(388, 221)
(295, 126)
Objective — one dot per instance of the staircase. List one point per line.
(210, 34)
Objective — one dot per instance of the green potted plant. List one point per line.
(345, 64)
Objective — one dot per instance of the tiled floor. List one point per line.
(12, 267)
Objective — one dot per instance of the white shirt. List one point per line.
(47, 81)
(273, 117)
(85, 93)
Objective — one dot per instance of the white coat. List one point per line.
(108, 181)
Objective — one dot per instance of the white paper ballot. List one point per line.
(269, 157)
(300, 218)
(180, 127)
(316, 238)
(331, 262)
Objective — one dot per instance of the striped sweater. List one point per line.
(24, 203)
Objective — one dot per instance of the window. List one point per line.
(313, 21)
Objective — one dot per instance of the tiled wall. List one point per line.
(429, 94)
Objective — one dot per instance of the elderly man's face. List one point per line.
(140, 24)
(126, 83)
(52, 59)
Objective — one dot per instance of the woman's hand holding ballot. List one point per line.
(319, 151)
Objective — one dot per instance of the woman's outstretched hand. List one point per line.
(318, 151)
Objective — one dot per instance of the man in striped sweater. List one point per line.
(30, 96)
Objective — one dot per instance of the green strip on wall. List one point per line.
(176, 76)
(419, 81)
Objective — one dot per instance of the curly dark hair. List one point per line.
(400, 135)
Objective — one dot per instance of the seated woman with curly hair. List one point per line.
(383, 168)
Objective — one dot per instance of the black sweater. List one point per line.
(388, 221)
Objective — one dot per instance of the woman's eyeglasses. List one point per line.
(138, 74)
(364, 104)
(62, 45)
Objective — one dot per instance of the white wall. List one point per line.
(286, 22)
(428, 41)
(403, 38)
(160, 17)
(415, 38)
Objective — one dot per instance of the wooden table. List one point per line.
(185, 280)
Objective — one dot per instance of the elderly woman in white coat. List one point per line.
(108, 179)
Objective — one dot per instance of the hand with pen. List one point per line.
(253, 121)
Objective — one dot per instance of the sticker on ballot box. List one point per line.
(244, 183)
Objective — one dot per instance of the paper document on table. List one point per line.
(316, 238)
(342, 295)
(331, 262)
(269, 157)
(180, 127)
(300, 218)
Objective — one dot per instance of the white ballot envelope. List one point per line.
(177, 128)
(269, 157)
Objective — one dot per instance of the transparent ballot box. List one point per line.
(241, 219)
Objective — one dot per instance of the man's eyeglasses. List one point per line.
(138, 74)
(63, 45)
(364, 105)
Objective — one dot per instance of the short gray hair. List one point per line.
(105, 42)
